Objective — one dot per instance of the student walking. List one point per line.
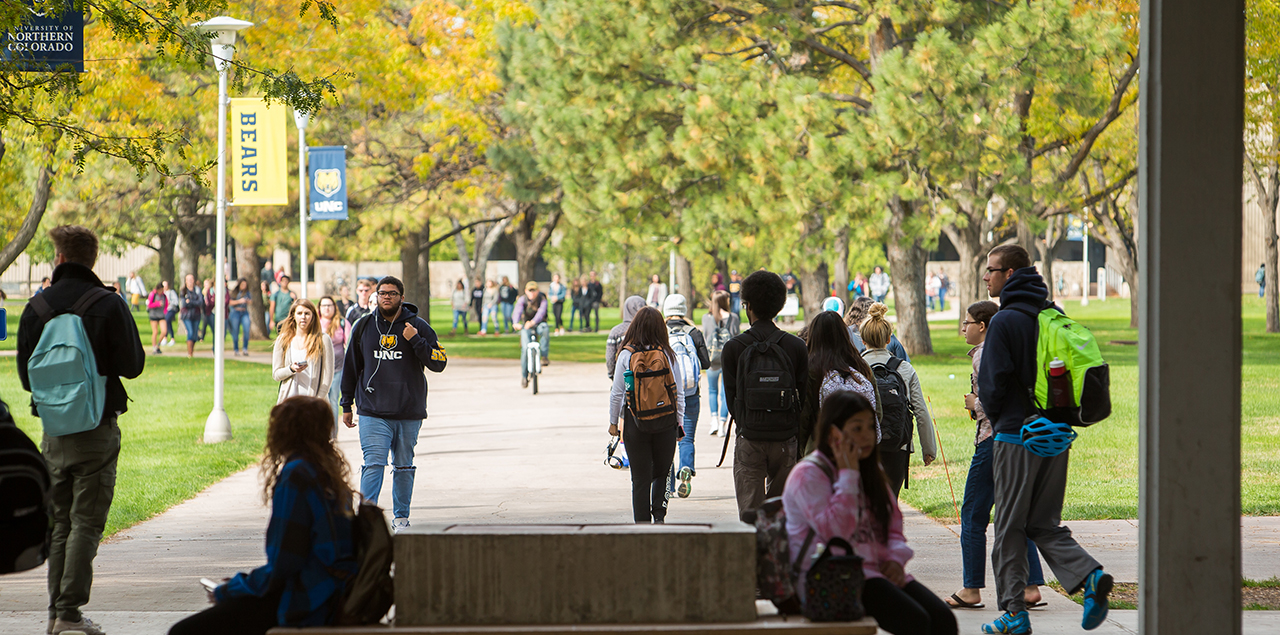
(879, 285)
(853, 319)
(575, 300)
(895, 454)
(490, 309)
(595, 294)
(477, 302)
(135, 288)
(238, 316)
(649, 423)
(585, 304)
(657, 292)
(692, 356)
(557, 292)
(311, 556)
(834, 365)
(767, 412)
(192, 312)
(383, 377)
(302, 358)
(839, 491)
(364, 303)
(461, 303)
(719, 325)
(281, 303)
(979, 488)
(82, 465)
(735, 293)
(507, 296)
(157, 308)
(332, 325)
(210, 303)
(1029, 488)
(173, 304)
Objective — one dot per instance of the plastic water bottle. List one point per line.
(629, 379)
(1060, 388)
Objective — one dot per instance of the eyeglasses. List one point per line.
(388, 294)
(967, 323)
(995, 269)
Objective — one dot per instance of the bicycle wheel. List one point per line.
(534, 379)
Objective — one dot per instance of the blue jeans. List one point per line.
(193, 328)
(715, 389)
(544, 342)
(377, 438)
(168, 319)
(507, 309)
(1262, 290)
(942, 299)
(335, 395)
(975, 515)
(237, 322)
(460, 315)
(490, 313)
(685, 444)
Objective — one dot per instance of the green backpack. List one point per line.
(66, 388)
(1061, 337)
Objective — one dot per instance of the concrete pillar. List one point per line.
(1191, 147)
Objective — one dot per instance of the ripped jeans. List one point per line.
(378, 437)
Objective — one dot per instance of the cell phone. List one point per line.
(303, 364)
(209, 585)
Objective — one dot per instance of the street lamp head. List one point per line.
(223, 31)
(301, 119)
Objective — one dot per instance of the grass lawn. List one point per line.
(162, 462)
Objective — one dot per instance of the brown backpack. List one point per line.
(652, 400)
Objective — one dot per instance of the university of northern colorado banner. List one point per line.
(259, 170)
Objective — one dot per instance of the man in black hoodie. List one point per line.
(383, 377)
(1029, 489)
(82, 465)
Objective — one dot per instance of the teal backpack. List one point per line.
(1065, 339)
(66, 388)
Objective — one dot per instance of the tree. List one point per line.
(1262, 133)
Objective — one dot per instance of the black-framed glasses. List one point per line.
(967, 323)
(388, 294)
(995, 269)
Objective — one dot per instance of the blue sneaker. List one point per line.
(1016, 623)
(1096, 589)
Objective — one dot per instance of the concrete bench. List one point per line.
(763, 626)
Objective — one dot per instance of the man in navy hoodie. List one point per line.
(383, 377)
(1029, 488)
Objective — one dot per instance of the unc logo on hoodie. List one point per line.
(388, 343)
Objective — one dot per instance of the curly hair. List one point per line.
(299, 427)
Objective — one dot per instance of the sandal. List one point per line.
(956, 603)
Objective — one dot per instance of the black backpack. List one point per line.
(25, 529)
(895, 410)
(371, 591)
(767, 403)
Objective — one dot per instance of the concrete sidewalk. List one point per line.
(493, 453)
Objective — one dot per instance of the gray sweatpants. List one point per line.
(1029, 493)
(760, 470)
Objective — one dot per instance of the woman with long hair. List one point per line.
(840, 491)
(834, 365)
(856, 315)
(719, 326)
(332, 325)
(157, 307)
(650, 452)
(310, 552)
(876, 332)
(302, 359)
(238, 315)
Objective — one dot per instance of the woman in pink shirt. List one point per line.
(859, 507)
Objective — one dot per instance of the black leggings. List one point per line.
(650, 455)
(910, 610)
(245, 615)
(558, 309)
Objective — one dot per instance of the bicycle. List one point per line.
(533, 359)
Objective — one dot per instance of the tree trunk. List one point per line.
(684, 281)
(813, 290)
(1269, 200)
(247, 261)
(409, 268)
(840, 272)
(969, 287)
(624, 266)
(39, 201)
(1026, 237)
(423, 279)
(907, 273)
(1053, 235)
(486, 237)
(164, 255)
(528, 243)
(190, 256)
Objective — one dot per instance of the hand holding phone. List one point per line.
(209, 585)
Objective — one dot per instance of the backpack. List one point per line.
(1063, 338)
(66, 389)
(369, 594)
(652, 398)
(719, 338)
(687, 356)
(24, 508)
(767, 400)
(775, 573)
(895, 411)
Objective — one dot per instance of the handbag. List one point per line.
(833, 585)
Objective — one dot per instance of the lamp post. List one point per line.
(302, 119)
(217, 427)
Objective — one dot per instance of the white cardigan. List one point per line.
(320, 382)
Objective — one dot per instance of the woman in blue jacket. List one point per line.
(309, 548)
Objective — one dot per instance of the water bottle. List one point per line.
(629, 379)
(1060, 385)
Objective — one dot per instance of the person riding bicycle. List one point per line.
(531, 311)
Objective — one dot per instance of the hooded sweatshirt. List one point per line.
(630, 307)
(1009, 354)
(381, 359)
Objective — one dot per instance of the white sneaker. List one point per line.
(398, 524)
(84, 627)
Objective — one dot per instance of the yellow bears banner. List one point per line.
(259, 171)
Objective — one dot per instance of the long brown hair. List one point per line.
(719, 304)
(336, 322)
(831, 349)
(836, 411)
(299, 428)
(290, 328)
(648, 331)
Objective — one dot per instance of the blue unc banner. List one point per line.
(328, 165)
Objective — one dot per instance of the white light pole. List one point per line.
(217, 427)
(1084, 297)
(302, 119)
